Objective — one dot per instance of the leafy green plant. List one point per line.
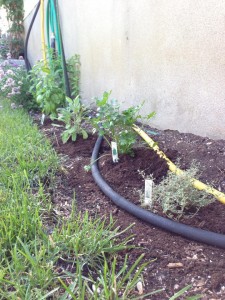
(47, 87)
(73, 69)
(177, 196)
(73, 116)
(116, 125)
(4, 47)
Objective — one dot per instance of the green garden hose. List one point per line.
(53, 24)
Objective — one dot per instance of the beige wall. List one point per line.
(34, 45)
(169, 53)
(4, 24)
(29, 6)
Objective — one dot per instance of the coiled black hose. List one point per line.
(27, 63)
(196, 234)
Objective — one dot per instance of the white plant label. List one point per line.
(114, 152)
(148, 192)
(42, 119)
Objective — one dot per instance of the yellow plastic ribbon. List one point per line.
(172, 167)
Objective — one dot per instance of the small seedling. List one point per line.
(73, 116)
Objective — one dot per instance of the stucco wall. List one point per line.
(169, 53)
(4, 24)
(34, 45)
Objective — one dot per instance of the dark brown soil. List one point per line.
(201, 265)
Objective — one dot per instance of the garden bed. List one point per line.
(198, 264)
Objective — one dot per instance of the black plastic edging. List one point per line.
(192, 233)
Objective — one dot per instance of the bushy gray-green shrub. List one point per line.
(177, 196)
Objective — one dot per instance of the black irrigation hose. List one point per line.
(27, 63)
(196, 234)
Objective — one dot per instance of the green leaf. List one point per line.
(69, 100)
(74, 136)
(85, 134)
(45, 70)
(39, 98)
(181, 292)
(65, 137)
(104, 99)
(151, 115)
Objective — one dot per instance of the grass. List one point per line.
(79, 254)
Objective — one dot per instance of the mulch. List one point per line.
(197, 264)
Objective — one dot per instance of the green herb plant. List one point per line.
(73, 116)
(47, 87)
(176, 195)
(116, 125)
(73, 69)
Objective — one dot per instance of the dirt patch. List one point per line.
(200, 265)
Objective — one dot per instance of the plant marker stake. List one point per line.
(42, 119)
(148, 192)
(114, 152)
